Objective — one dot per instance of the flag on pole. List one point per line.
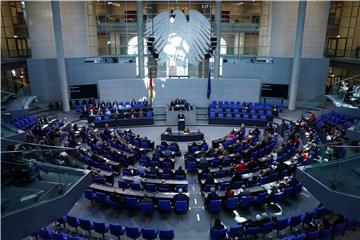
(150, 85)
(209, 86)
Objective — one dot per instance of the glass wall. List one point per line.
(343, 33)
(117, 29)
(14, 34)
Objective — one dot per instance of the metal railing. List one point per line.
(37, 173)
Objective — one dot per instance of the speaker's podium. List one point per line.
(181, 122)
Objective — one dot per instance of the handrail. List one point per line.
(349, 78)
(35, 144)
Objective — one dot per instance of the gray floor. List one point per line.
(196, 223)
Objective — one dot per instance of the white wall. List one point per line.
(194, 90)
(78, 27)
(283, 28)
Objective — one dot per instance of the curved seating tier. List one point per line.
(104, 229)
(281, 225)
(163, 201)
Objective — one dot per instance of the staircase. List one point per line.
(202, 115)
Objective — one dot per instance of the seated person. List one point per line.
(168, 130)
(146, 199)
(117, 198)
(180, 196)
(181, 115)
(218, 225)
(229, 193)
(241, 166)
(212, 196)
(180, 171)
(244, 191)
(209, 179)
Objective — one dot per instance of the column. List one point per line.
(139, 15)
(218, 35)
(297, 55)
(55, 5)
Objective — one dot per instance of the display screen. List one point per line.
(274, 90)
(83, 91)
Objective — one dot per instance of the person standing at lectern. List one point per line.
(181, 115)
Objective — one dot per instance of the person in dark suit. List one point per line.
(218, 225)
(212, 196)
(180, 196)
(180, 171)
(209, 179)
(181, 115)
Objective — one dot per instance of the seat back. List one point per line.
(166, 234)
(149, 234)
(218, 234)
(131, 202)
(100, 227)
(214, 206)
(116, 230)
(146, 208)
(181, 206)
(164, 205)
(132, 232)
(231, 203)
(73, 221)
(85, 224)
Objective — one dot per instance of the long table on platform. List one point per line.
(128, 192)
(181, 137)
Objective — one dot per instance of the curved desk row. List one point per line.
(132, 193)
(181, 137)
(238, 121)
(121, 122)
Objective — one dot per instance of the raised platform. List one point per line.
(247, 122)
(180, 137)
(121, 122)
(190, 117)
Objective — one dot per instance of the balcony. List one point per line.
(229, 22)
(38, 187)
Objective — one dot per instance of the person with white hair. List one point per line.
(180, 196)
(212, 196)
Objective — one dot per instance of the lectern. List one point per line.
(181, 124)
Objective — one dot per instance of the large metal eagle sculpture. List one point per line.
(194, 35)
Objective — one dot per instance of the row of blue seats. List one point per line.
(116, 230)
(215, 206)
(149, 115)
(193, 166)
(237, 184)
(282, 224)
(133, 203)
(240, 116)
(166, 176)
(149, 187)
(49, 234)
(242, 104)
(23, 122)
(243, 111)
